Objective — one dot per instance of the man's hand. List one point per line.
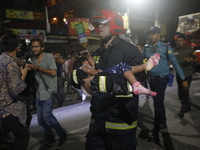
(32, 66)
(24, 71)
(60, 61)
(189, 60)
(185, 85)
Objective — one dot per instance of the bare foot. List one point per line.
(139, 89)
(152, 62)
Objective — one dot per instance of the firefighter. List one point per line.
(114, 120)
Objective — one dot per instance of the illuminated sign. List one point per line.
(81, 33)
(72, 21)
(20, 14)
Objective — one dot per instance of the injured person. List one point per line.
(103, 83)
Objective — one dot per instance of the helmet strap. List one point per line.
(106, 39)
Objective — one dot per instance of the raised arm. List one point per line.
(90, 71)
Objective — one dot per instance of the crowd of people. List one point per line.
(114, 76)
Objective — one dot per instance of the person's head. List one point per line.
(11, 42)
(154, 34)
(4, 31)
(84, 52)
(140, 47)
(107, 23)
(79, 62)
(181, 40)
(37, 46)
(89, 57)
(85, 61)
(56, 55)
(73, 54)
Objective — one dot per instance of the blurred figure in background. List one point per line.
(72, 89)
(140, 47)
(59, 61)
(185, 56)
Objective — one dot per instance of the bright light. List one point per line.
(65, 20)
(54, 18)
(138, 2)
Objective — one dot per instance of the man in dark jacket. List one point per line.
(114, 120)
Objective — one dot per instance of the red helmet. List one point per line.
(108, 16)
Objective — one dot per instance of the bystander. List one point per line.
(159, 77)
(44, 64)
(186, 57)
(12, 82)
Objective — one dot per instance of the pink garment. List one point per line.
(70, 64)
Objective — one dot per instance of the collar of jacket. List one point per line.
(159, 44)
(113, 43)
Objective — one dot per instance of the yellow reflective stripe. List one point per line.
(129, 95)
(96, 59)
(129, 87)
(102, 84)
(120, 126)
(75, 77)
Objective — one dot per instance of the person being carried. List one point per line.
(86, 64)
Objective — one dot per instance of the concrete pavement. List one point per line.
(181, 134)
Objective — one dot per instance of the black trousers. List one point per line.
(4, 131)
(183, 95)
(20, 132)
(104, 141)
(159, 84)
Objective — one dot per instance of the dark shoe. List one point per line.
(46, 144)
(163, 126)
(184, 109)
(181, 114)
(154, 137)
(187, 108)
(62, 139)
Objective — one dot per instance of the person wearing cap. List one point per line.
(159, 77)
(186, 57)
(113, 120)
